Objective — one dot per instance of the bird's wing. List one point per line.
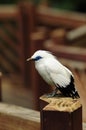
(57, 72)
(59, 80)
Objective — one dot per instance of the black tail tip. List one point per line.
(76, 95)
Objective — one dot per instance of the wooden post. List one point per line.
(60, 114)
(37, 40)
(27, 10)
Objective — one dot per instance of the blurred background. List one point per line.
(74, 5)
(28, 25)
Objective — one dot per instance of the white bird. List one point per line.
(54, 73)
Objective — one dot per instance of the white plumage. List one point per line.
(54, 73)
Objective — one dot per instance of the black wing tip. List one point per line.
(69, 90)
(74, 92)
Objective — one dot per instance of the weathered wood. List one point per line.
(61, 113)
(15, 118)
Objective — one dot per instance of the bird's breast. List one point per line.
(42, 70)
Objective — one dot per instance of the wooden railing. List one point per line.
(15, 118)
(29, 28)
(26, 38)
(11, 41)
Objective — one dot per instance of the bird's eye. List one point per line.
(38, 58)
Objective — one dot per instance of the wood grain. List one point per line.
(61, 103)
(18, 118)
(61, 113)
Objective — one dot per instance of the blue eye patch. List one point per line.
(38, 58)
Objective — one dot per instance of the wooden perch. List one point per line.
(60, 113)
(17, 118)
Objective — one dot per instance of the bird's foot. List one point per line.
(50, 95)
(53, 94)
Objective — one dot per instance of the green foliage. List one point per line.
(8, 1)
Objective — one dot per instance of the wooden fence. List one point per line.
(34, 28)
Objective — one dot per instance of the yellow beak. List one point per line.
(28, 59)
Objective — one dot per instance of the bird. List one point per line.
(54, 73)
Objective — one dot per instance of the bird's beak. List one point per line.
(29, 59)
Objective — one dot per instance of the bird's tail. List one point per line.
(74, 91)
(76, 95)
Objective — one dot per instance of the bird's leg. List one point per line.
(53, 93)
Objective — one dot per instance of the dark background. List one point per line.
(74, 5)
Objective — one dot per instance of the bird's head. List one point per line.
(40, 54)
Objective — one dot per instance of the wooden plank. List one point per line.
(15, 118)
(8, 11)
(61, 113)
(84, 126)
(76, 33)
(74, 53)
(55, 17)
